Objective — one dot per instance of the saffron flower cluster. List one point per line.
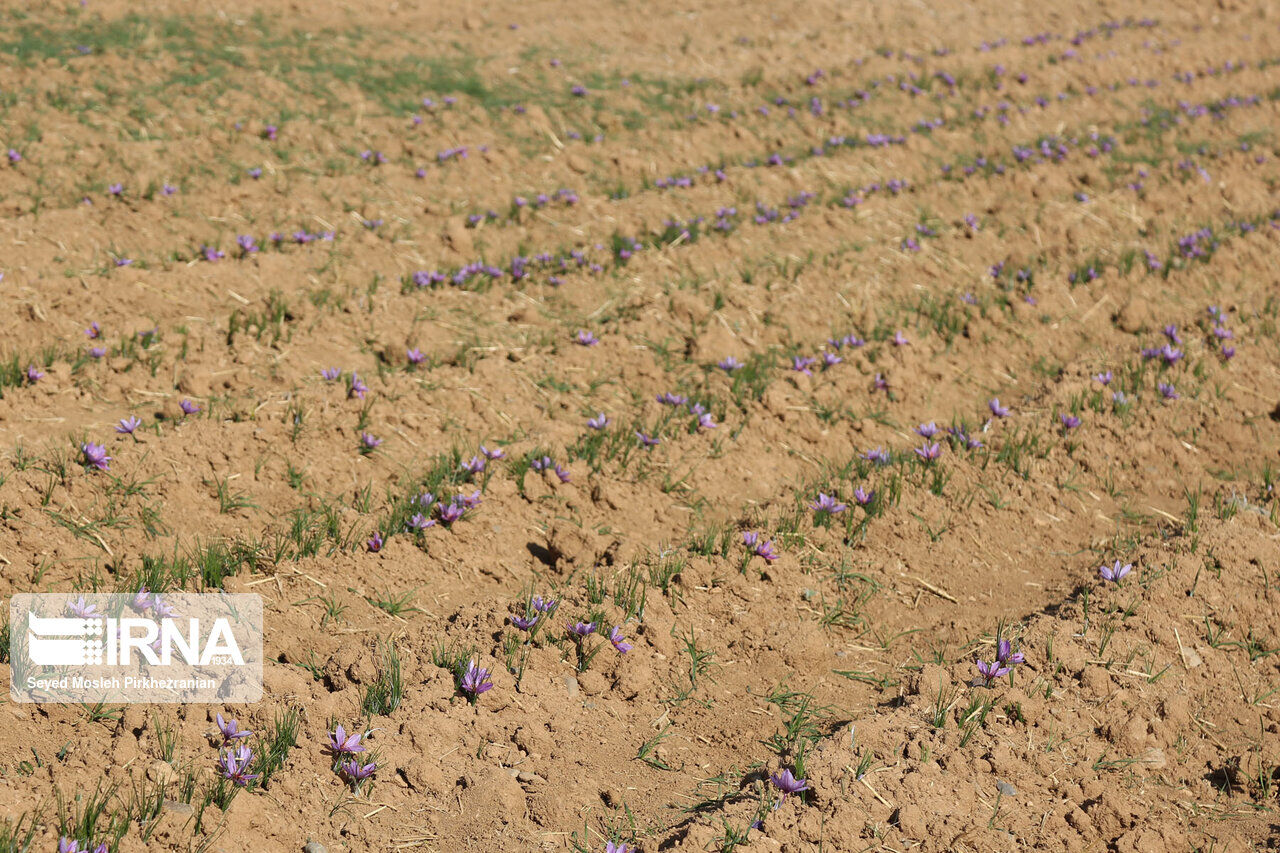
(1006, 659)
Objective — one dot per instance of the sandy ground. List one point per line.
(709, 262)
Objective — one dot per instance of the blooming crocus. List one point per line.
(330, 374)
(450, 512)
(188, 407)
(562, 473)
(34, 374)
(355, 772)
(492, 454)
(786, 782)
(928, 452)
(582, 629)
(1103, 378)
(862, 497)
(996, 409)
(128, 425)
(342, 743)
(729, 364)
(585, 338)
(95, 456)
(234, 764)
(231, 730)
(368, 441)
(928, 430)
(802, 363)
(899, 339)
(420, 522)
(826, 503)
(1228, 352)
(647, 440)
(600, 421)
(356, 388)
(82, 610)
(1167, 391)
(1115, 572)
(524, 623)
(475, 680)
(877, 455)
(374, 543)
(619, 642)
(619, 847)
(414, 356)
(991, 671)
(474, 465)
(142, 600)
(880, 383)
(94, 331)
(706, 421)
(543, 605)
(670, 399)
(1069, 422)
(1005, 653)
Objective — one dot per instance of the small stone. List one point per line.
(571, 684)
(1005, 788)
(314, 847)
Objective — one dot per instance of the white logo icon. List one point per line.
(57, 641)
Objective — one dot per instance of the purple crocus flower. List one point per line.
(1115, 572)
(330, 374)
(600, 421)
(420, 522)
(862, 497)
(231, 730)
(234, 765)
(786, 782)
(585, 338)
(1167, 390)
(188, 407)
(82, 610)
(617, 847)
(524, 623)
(826, 503)
(1103, 378)
(543, 605)
(928, 452)
(1069, 422)
(374, 543)
(802, 363)
(619, 642)
(729, 364)
(706, 421)
(877, 455)
(34, 374)
(474, 465)
(928, 430)
(1005, 653)
(128, 425)
(341, 743)
(94, 331)
(414, 356)
(355, 772)
(1228, 353)
(991, 671)
(899, 339)
(561, 472)
(582, 629)
(368, 441)
(475, 680)
(647, 440)
(142, 600)
(450, 512)
(494, 454)
(996, 409)
(356, 388)
(95, 456)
